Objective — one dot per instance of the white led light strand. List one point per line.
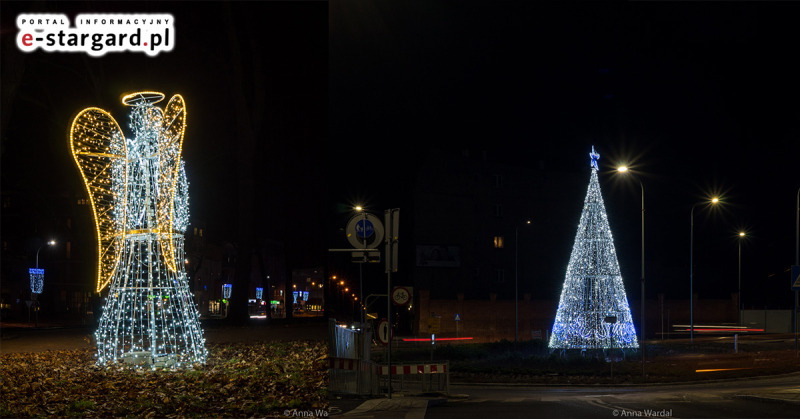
(593, 288)
(140, 200)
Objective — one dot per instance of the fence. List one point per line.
(420, 376)
(353, 376)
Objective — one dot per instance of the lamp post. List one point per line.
(624, 169)
(516, 281)
(691, 270)
(796, 262)
(50, 243)
(739, 308)
(360, 275)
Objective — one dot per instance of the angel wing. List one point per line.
(169, 150)
(99, 149)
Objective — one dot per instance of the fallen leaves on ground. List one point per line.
(239, 379)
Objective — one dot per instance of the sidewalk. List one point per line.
(787, 396)
(399, 407)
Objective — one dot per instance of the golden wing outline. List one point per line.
(98, 147)
(170, 144)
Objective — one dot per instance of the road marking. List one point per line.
(514, 400)
(365, 407)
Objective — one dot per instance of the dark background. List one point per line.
(699, 99)
(254, 78)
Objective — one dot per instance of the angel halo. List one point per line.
(139, 197)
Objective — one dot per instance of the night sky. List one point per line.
(700, 99)
(283, 51)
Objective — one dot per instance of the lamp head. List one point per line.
(358, 208)
(741, 234)
(51, 242)
(622, 169)
(527, 222)
(714, 200)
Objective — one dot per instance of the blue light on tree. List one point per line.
(37, 280)
(226, 290)
(593, 288)
(259, 293)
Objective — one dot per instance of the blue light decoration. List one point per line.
(259, 293)
(37, 280)
(593, 288)
(140, 205)
(294, 293)
(305, 295)
(226, 290)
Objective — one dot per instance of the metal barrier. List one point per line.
(420, 376)
(353, 376)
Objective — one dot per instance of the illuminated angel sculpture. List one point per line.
(139, 197)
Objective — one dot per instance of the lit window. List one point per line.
(69, 248)
(201, 232)
(498, 242)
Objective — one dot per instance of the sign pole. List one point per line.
(388, 217)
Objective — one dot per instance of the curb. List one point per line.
(677, 383)
(768, 399)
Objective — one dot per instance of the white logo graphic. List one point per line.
(97, 34)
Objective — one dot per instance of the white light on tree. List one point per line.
(139, 197)
(593, 288)
(259, 293)
(226, 290)
(37, 280)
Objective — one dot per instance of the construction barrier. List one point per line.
(353, 376)
(419, 376)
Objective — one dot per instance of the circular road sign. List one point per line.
(383, 332)
(401, 296)
(364, 233)
(364, 228)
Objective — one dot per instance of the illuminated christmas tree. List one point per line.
(139, 197)
(593, 287)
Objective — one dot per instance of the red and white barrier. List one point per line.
(406, 369)
(351, 365)
(415, 369)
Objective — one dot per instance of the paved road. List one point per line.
(711, 400)
(715, 400)
(40, 340)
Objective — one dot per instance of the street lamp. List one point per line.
(516, 281)
(624, 169)
(691, 269)
(741, 236)
(50, 243)
(360, 267)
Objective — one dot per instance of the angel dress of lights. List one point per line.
(593, 288)
(139, 197)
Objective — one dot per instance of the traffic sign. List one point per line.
(401, 296)
(434, 324)
(363, 235)
(383, 332)
(364, 228)
(796, 278)
(458, 317)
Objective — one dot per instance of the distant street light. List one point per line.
(624, 169)
(50, 243)
(691, 269)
